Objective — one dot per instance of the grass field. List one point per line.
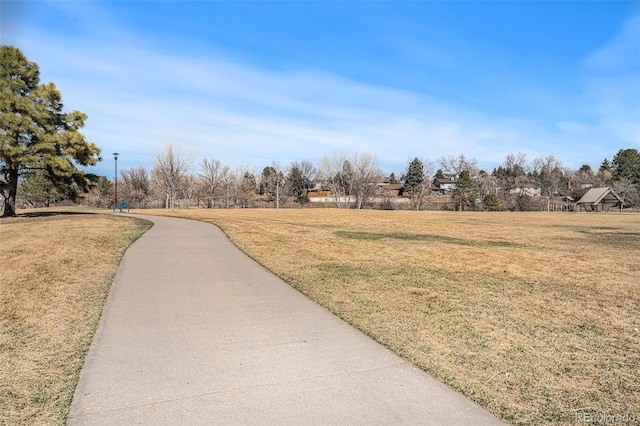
(535, 316)
(55, 274)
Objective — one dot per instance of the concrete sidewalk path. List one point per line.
(195, 332)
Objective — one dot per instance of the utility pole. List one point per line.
(115, 201)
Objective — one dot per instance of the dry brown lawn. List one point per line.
(535, 316)
(55, 274)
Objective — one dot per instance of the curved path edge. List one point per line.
(195, 332)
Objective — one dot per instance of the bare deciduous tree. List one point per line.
(628, 192)
(366, 173)
(136, 186)
(579, 182)
(170, 167)
(487, 184)
(603, 178)
(211, 180)
(454, 165)
(549, 173)
(516, 164)
(513, 170)
(191, 190)
(228, 183)
(337, 173)
(235, 185)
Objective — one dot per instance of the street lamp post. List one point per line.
(115, 201)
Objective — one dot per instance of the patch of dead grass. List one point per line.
(534, 316)
(56, 272)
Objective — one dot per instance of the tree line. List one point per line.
(174, 180)
(356, 181)
(519, 184)
(42, 148)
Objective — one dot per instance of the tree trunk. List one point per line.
(10, 201)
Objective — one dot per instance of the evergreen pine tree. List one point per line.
(415, 175)
(35, 134)
(466, 192)
(492, 202)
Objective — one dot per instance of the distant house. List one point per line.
(530, 189)
(586, 185)
(444, 186)
(599, 197)
(385, 187)
(393, 189)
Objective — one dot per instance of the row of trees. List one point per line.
(512, 185)
(211, 183)
(356, 181)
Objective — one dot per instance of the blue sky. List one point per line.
(288, 80)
